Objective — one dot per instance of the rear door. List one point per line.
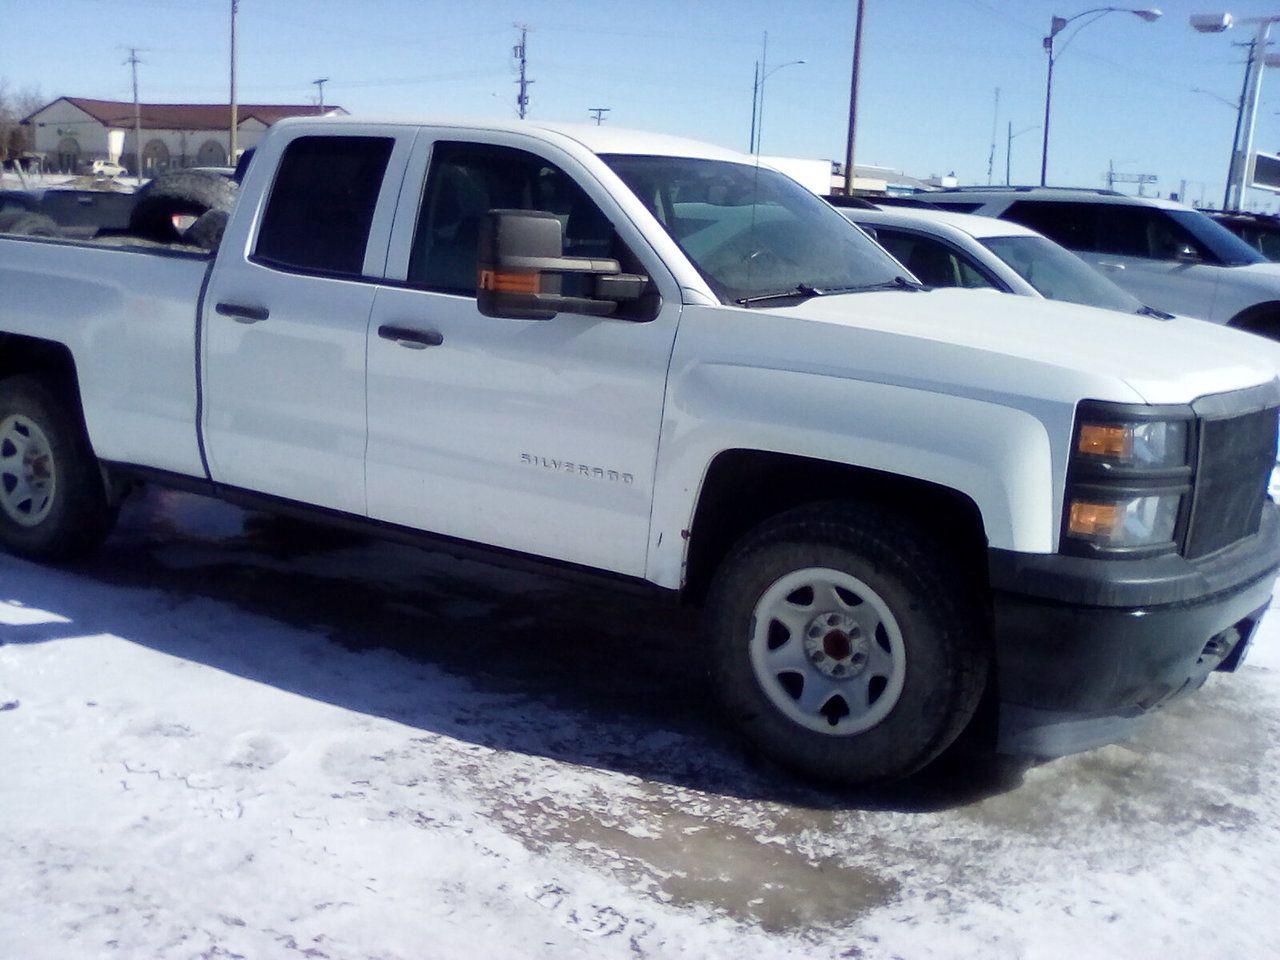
(1134, 245)
(286, 314)
(535, 435)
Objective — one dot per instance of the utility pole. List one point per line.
(1008, 153)
(519, 51)
(1111, 174)
(1235, 137)
(853, 99)
(320, 83)
(598, 113)
(133, 62)
(235, 120)
(995, 122)
(757, 118)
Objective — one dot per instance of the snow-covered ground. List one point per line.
(231, 736)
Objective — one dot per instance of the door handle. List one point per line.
(242, 313)
(409, 337)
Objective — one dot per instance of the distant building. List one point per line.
(874, 179)
(71, 132)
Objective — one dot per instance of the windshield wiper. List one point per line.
(897, 283)
(1146, 311)
(801, 290)
(805, 291)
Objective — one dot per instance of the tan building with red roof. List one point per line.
(72, 132)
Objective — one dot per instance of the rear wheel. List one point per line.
(53, 500)
(845, 647)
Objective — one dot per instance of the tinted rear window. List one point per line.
(321, 205)
(1074, 225)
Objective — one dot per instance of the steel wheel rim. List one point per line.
(835, 664)
(28, 478)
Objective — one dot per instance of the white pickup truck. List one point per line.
(623, 354)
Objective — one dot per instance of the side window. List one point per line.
(1073, 225)
(321, 204)
(1135, 231)
(934, 262)
(469, 179)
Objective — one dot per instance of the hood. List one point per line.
(1163, 361)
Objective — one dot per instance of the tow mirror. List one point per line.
(520, 262)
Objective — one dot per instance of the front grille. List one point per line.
(1232, 473)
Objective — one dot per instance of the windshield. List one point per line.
(1059, 274)
(752, 232)
(1224, 244)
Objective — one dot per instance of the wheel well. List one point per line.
(23, 354)
(746, 487)
(1262, 319)
(46, 359)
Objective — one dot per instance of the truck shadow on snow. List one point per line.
(512, 661)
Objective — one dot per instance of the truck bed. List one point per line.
(128, 314)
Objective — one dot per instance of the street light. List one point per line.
(757, 118)
(1056, 26)
(1238, 174)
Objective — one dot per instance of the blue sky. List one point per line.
(1124, 90)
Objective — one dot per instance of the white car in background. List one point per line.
(1165, 254)
(945, 249)
(105, 168)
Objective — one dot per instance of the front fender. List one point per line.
(999, 457)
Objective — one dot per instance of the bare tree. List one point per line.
(14, 106)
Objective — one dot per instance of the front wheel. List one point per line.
(844, 647)
(53, 501)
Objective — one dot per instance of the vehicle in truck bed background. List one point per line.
(628, 355)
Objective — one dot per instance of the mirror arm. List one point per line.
(559, 265)
(557, 303)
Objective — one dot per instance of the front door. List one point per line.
(534, 435)
(286, 315)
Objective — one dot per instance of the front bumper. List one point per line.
(1085, 648)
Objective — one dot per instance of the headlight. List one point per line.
(1141, 521)
(1154, 445)
(1129, 479)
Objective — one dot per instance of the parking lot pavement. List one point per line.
(231, 735)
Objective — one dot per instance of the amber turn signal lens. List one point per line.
(1102, 440)
(505, 282)
(1094, 520)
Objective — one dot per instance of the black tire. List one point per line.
(1262, 320)
(188, 192)
(207, 231)
(79, 514)
(28, 224)
(941, 617)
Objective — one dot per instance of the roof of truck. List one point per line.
(604, 138)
